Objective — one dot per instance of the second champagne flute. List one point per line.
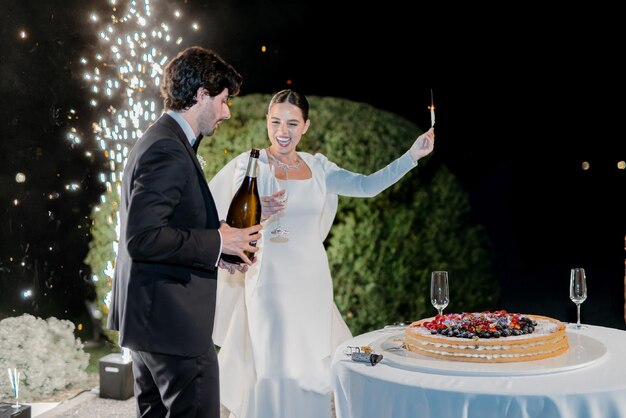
(578, 291)
(439, 292)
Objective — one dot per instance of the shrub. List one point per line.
(101, 255)
(45, 352)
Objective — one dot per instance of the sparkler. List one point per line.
(432, 109)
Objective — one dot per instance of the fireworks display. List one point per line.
(124, 76)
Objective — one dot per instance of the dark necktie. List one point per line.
(197, 143)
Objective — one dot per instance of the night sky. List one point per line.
(522, 101)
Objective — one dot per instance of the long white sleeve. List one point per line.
(347, 183)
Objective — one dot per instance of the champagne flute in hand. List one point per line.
(279, 233)
(439, 293)
(578, 291)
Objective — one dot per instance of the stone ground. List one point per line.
(90, 405)
(87, 403)
(83, 401)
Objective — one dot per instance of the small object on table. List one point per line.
(363, 354)
(371, 358)
(398, 325)
(353, 349)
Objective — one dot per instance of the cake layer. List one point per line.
(547, 339)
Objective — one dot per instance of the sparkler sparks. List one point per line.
(124, 77)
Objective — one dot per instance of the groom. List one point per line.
(163, 296)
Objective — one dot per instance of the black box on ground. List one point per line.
(10, 411)
(116, 377)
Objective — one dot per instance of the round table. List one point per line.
(596, 390)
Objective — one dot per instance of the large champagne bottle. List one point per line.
(245, 208)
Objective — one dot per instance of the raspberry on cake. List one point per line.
(489, 337)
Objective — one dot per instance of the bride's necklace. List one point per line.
(283, 165)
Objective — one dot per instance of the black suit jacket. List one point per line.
(163, 295)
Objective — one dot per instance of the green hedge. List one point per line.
(381, 250)
(101, 255)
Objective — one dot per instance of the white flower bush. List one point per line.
(45, 353)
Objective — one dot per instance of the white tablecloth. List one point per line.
(597, 390)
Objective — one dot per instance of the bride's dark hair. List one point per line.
(294, 98)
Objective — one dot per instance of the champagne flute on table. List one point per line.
(439, 292)
(279, 233)
(577, 292)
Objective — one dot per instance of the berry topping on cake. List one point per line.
(474, 325)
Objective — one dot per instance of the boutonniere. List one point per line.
(202, 161)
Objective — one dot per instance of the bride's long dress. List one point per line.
(278, 325)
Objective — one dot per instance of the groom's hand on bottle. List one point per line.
(237, 240)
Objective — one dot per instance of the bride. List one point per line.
(277, 325)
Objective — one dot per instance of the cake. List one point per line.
(487, 337)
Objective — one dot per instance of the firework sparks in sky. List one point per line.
(124, 76)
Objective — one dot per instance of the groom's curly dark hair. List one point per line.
(193, 68)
